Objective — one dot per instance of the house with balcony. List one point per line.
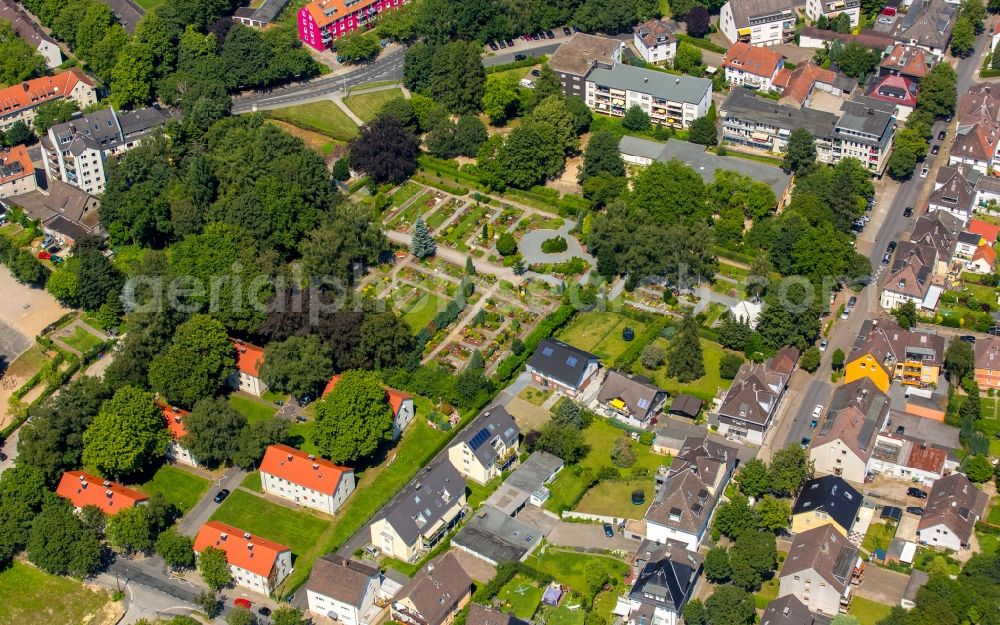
(582, 53)
(748, 407)
(753, 67)
(826, 501)
(953, 507)
(864, 131)
(846, 440)
(896, 90)
(487, 447)
(320, 22)
(758, 22)
(20, 102)
(919, 266)
(434, 595)
(655, 41)
(630, 398)
(668, 99)
(254, 562)
(954, 192)
(763, 124)
(83, 489)
(663, 585)
(987, 363)
(884, 352)
(304, 479)
(820, 570)
(927, 24)
(422, 514)
(832, 9)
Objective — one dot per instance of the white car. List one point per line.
(823, 344)
(923, 172)
(818, 410)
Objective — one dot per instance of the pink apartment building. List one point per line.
(322, 21)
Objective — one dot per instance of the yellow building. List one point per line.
(869, 366)
(885, 352)
(828, 500)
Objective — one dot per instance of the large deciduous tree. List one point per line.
(298, 365)
(385, 151)
(196, 364)
(126, 435)
(959, 359)
(353, 419)
(60, 543)
(790, 469)
(457, 77)
(214, 568)
(602, 156)
(730, 605)
(212, 430)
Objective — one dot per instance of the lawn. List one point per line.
(993, 518)
(615, 499)
(868, 612)
(705, 387)
(323, 116)
(517, 73)
(522, 596)
(403, 193)
(295, 529)
(564, 616)
(568, 567)
(252, 481)
(478, 493)
(988, 543)
(177, 486)
(424, 310)
(27, 364)
(301, 435)
(149, 5)
(601, 333)
(768, 592)
(367, 105)
(534, 395)
(32, 596)
(878, 537)
(81, 340)
(252, 408)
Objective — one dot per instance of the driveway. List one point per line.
(882, 585)
(476, 568)
(538, 518)
(907, 528)
(199, 514)
(588, 536)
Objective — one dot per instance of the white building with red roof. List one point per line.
(895, 89)
(83, 489)
(254, 562)
(176, 452)
(305, 479)
(753, 67)
(19, 103)
(401, 403)
(17, 174)
(248, 360)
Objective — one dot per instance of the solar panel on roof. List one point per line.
(479, 439)
(643, 403)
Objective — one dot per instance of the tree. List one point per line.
(975, 12)
(501, 99)
(652, 356)
(596, 575)
(636, 119)
(774, 514)
(717, 568)
(532, 153)
(810, 360)
(963, 37)
(856, 60)
(754, 479)
(938, 95)
(18, 60)
(27, 269)
(17, 134)
(697, 21)
(752, 556)
(688, 59)
(582, 116)
(422, 244)
(546, 84)
(131, 530)
(801, 152)
(470, 134)
(470, 267)
(126, 435)
(837, 359)
(684, 358)
(730, 605)
(969, 412)
(132, 76)
(734, 517)
(348, 237)
(98, 280)
(176, 549)
(53, 112)
(59, 542)
(563, 441)
(214, 568)
(457, 77)
(385, 151)
(602, 156)
(357, 46)
(959, 360)
(353, 419)
(622, 455)
(694, 613)
(703, 131)
(552, 111)
(240, 616)
(906, 315)
(978, 469)
(196, 364)
(571, 414)
(402, 110)
(385, 341)
(790, 468)
(299, 365)
(506, 244)
(729, 366)
(734, 333)
(256, 437)
(288, 615)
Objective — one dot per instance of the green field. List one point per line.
(614, 498)
(367, 105)
(878, 537)
(81, 340)
(768, 592)
(252, 408)
(568, 567)
(31, 596)
(868, 612)
(424, 310)
(324, 117)
(177, 486)
(149, 5)
(252, 481)
(522, 596)
(705, 387)
(601, 333)
(297, 530)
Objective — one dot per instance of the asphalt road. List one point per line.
(538, 49)
(387, 67)
(200, 513)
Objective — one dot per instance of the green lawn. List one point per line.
(615, 499)
(424, 310)
(988, 543)
(177, 486)
(367, 105)
(252, 481)
(705, 387)
(768, 592)
(292, 528)
(478, 493)
(403, 193)
(601, 333)
(324, 117)
(149, 5)
(568, 567)
(252, 408)
(993, 518)
(517, 73)
(564, 616)
(81, 340)
(878, 537)
(32, 596)
(522, 596)
(534, 395)
(868, 612)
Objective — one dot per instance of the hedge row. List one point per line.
(627, 357)
(511, 365)
(528, 62)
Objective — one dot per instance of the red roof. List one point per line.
(987, 253)
(17, 155)
(303, 469)
(173, 416)
(33, 92)
(325, 12)
(886, 88)
(84, 489)
(248, 357)
(329, 385)
(925, 458)
(909, 60)
(782, 77)
(396, 398)
(243, 549)
(752, 59)
(987, 231)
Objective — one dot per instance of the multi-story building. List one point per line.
(758, 22)
(884, 352)
(31, 33)
(987, 363)
(904, 457)
(19, 103)
(820, 569)
(322, 21)
(563, 368)
(753, 67)
(920, 265)
(655, 40)
(896, 90)
(764, 124)
(17, 174)
(846, 439)
(927, 24)
(907, 61)
(864, 131)
(668, 99)
(832, 9)
(826, 501)
(65, 212)
(302, 478)
(246, 378)
(808, 80)
(254, 562)
(662, 587)
(487, 448)
(749, 406)
(950, 515)
(176, 451)
(344, 590)
(434, 595)
(77, 151)
(574, 59)
(954, 192)
(83, 489)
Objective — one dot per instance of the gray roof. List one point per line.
(481, 615)
(69, 229)
(867, 116)
(341, 579)
(535, 472)
(437, 589)
(917, 579)
(424, 500)
(494, 426)
(685, 500)
(24, 27)
(745, 11)
(857, 411)
(641, 397)
(496, 537)
(141, 121)
(60, 199)
(106, 129)
(658, 84)
(667, 583)
(787, 610)
(578, 55)
(956, 503)
(561, 361)
(832, 495)
(824, 550)
(265, 13)
(687, 405)
(927, 23)
(743, 104)
(706, 164)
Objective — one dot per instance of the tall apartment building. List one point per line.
(758, 22)
(77, 151)
(864, 131)
(18, 103)
(322, 21)
(668, 99)
(832, 9)
(575, 59)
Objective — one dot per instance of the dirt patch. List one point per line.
(527, 415)
(329, 149)
(567, 182)
(109, 614)
(26, 309)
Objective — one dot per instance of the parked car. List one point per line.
(550, 34)
(823, 345)
(43, 255)
(264, 611)
(846, 313)
(56, 259)
(534, 36)
(923, 172)
(300, 418)
(519, 57)
(941, 135)
(567, 31)
(907, 211)
(818, 410)
(813, 423)
(913, 491)
(536, 73)
(609, 531)
(900, 430)
(373, 551)
(510, 43)
(240, 602)
(968, 338)
(935, 148)
(221, 495)
(891, 247)
(494, 46)
(917, 510)
(852, 301)
(886, 259)
(502, 44)
(805, 442)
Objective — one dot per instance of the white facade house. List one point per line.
(344, 590)
(304, 479)
(655, 40)
(484, 450)
(177, 452)
(17, 174)
(246, 378)
(668, 99)
(832, 9)
(758, 22)
(753, 67)
(255, 563)
(950, 515)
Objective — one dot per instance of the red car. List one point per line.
(44, 255)
(241, 603)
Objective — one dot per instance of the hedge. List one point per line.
(626, 358)
(528, 62)
(704, 44)
(511, 365)
(506, 572)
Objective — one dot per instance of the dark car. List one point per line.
(56, 259)
(221, 495)
(567, 31)
(805, 442)
(534, 36)
(510, 42)
(907, 211)
(502, 44)
(519, 57)
(550, 34)
(913, 491)
(935, 148)
(264, 611)
(941, 135)
(891, 247)
(494, 46)
(609, 531)
(300, 418)
(886, 259)
(900, 430)
(968, 338)
(536, 73)
(917, 510)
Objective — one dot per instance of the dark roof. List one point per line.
(787, 610)
(60, 199)
(687, 405)
(535, 472)
(917, 579)
(686, 501)
(341, 579)
(106, 129)
(424, 500)
(128, 13)
(956, 503)
(641, 397)
(481, 615)
(867, 116)
(495, 425)
(927, 23)
(857, 412)
(69, 229)
(825, 551)
(496, 537)
(437, 589)
(746, 10)
(561, 361)
(868, 38)
(742, 104)
(754, 394)
(667, 583)
(832, 495)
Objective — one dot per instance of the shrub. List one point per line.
(506, 244)
(653, 356)
(554, 245)
(729, 366)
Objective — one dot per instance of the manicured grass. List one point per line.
(403, 193)
(878, 537)
(988, 543)
(534, 395)
(568, 567)
(81, 340)
(302, 435)
(441, 215)
(297, 530)
(993, 518)
(177, 486)
(868, 612)
(601, 333)
(704, 387)
(521, 596)
(32, 596)
(564, 616)
(615, 499)
(323, 116)
(424, 310)
(478, 493)
(149, 5)
(768, 592)
(517, 73)
(253, 409)
(367, 105)
(252, 481)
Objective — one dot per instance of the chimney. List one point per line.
(312, 457)
(785, 611)
(223, 536)
(315, 466)
(246, 535)
(645, 79)
(106, 483)
(289, 457)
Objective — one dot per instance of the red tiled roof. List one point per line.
(329, 385)
(895, 84)
(173, 416)
(909, 60)
(325, 12)
(396, 398)
(259, 559)
(802, 78)
(980, 143)
(989, 232)
(303, 469)
(248, 357)
(33, 92)
(782, 77)
(987, 253)
(16, 155)
(83, 489)
(752, 59)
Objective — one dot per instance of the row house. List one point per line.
(752, 67)
(17, 173)
(846, 440)
(488, 447)
(83, 489)
(321, 22)
(668, 99)
(304, 479)
(655, 40)
(884, 352)
(347, 591)
(864, 131)
(748, 407)
(20, 102)
(758, 22)
(977, 147)
(832, 9)
(255, 563)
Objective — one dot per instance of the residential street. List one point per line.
(199, 514)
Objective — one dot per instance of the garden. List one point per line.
(601, 333)
(177, 486)
(615, 499)
(705, 388)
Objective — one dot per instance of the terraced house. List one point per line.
(846, 440)
(320, 22)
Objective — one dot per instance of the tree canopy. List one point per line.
(126, 435)
(353, 419)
